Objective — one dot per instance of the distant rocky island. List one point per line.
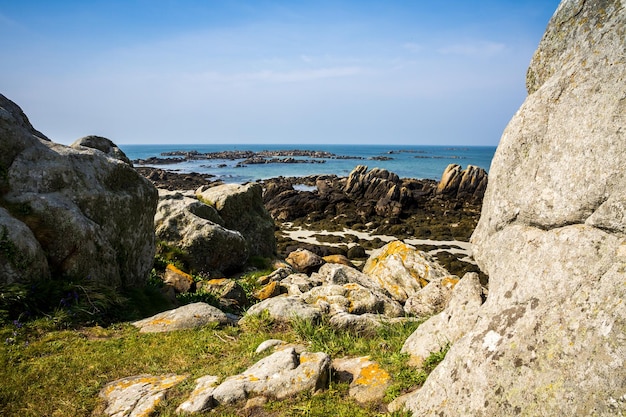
(248, 157)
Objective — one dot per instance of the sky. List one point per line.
(406, 72)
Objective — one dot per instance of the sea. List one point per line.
(419, 161)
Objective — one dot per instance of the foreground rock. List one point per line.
(189, 316)
(218, 228)
(550, 338)
(280, 375)
(70, 213)
(137, 396)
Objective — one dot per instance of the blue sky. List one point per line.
(236, 71)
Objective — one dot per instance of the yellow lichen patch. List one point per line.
(270, 290)
(449, 282)
(351, 286)
(158, 382)
(216, 281)
(160, 322)
(305, 357)
(372, 375)
(178, 271)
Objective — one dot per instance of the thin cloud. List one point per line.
(284, 76)
(480, 48)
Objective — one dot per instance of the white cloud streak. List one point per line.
(477, 49)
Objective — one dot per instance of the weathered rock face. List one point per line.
(241, 207)
(88, 215)
(550, 339)
(451, 324)
(196, 228)
(402, 270)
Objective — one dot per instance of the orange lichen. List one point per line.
(268, 291)
(372, 375)
(178, 271)
(449, 282)
(160, 322)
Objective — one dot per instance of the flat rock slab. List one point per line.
(189, 316)
(279, 375)
(137, 396)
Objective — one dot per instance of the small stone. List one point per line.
(179, 280)
(268, 344)
(270, 290)
(368, 381)
(338, 259)
(304, 261)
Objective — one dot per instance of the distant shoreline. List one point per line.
(246, 163)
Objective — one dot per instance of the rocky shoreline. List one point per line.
(362, 211)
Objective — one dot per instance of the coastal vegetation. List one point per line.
(78, 360)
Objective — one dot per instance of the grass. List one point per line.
(52, 372)
(61, 343)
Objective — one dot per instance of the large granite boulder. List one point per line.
(241, 207)
(70, 213)
(550, 339)
(197, 229)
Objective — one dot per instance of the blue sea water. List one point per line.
(421, 162)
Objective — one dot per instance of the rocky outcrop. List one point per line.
(88, 215)
(241, 208)
(356, 301)
(174, 181)
(102, 144)
(197, 229)
(467, 184)
(377, 202)
(549, 340)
